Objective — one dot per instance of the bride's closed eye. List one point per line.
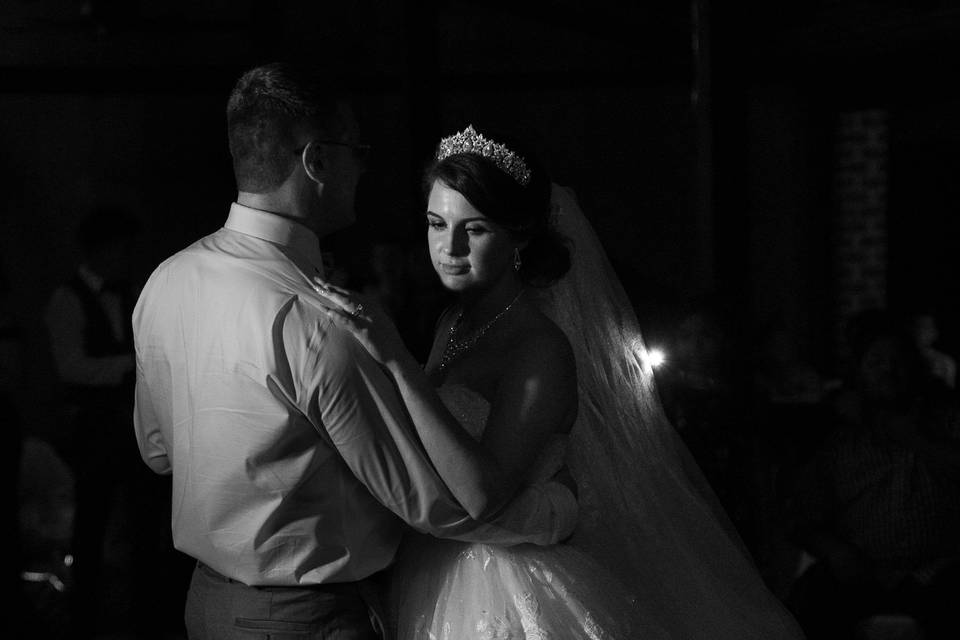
(435, 224)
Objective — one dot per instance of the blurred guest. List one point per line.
(703, 395)
(879, 504)
(397, 280)
(387, 281)
(696, 386)
(46, 507)
(87, 319)
(782, 375)
(789, 414)
(11, 339)
(939, 365)
(41, 490)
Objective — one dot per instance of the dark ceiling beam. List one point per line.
(641, 26)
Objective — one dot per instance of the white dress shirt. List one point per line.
(291, 452)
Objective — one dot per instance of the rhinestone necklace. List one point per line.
(455, 348)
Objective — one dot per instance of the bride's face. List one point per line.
(468, 250)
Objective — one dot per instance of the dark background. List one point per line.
(699, 137)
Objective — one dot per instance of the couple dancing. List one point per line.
(304, 441)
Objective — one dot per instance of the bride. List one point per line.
(537, 368)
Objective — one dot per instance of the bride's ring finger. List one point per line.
(356, 312)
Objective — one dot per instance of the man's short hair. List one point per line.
(265, 106)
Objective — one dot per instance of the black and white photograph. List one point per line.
(480, 320)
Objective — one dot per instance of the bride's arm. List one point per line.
(466, 466)
(534, 397)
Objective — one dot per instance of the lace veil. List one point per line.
(647, 512)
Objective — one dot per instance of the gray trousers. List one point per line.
(219, 608)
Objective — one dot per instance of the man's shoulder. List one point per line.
(220, 272)
(191, 252)
(224, 254)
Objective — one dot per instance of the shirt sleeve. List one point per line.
(351, 401)
(64, 319)
(153, 395)
(147, 427)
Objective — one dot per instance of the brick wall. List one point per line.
(860, 222)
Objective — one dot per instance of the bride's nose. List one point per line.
(454, 243)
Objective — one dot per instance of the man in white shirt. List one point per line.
(294, 465)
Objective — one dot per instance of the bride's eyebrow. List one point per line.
(480, 219)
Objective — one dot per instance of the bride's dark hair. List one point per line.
(524, 210)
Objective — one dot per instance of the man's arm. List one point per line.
(147, 427)
(153, 382)
(354, 403)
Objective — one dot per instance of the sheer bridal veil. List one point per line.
(647, 512)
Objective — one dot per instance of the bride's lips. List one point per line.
(454, 269)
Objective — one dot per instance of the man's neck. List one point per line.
(277, 204)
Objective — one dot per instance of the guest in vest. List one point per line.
(88, 320)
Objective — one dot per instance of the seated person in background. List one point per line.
(879, 504)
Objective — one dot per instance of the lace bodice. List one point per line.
(472, 410)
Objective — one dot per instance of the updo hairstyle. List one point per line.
(524, 210)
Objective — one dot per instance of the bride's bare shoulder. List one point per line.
(542, 371)
(539, 339)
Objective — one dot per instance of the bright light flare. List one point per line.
(652, 358)
(656, 357)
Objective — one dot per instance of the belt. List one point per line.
(346, 588)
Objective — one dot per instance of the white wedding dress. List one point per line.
(448, 590)
(653, 555)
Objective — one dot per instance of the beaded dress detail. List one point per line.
(456, 347)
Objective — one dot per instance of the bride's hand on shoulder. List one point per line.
(366, 320)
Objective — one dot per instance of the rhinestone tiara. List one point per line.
(469, 141)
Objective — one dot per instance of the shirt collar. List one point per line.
(278, 230)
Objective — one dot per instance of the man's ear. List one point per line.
(312, 162)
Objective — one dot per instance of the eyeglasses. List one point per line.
(361, 151)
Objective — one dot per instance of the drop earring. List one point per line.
(517, 263)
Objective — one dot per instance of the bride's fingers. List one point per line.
(352, 303)
(347, 300)
(323, 284)
(341, 300)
